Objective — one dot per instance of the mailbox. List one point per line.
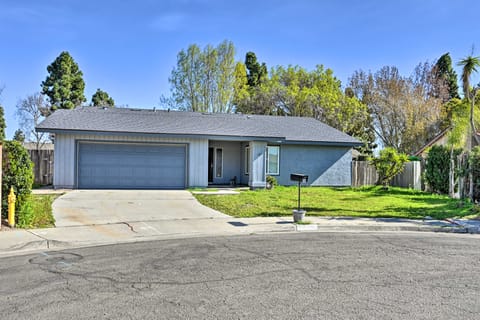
(299, 177)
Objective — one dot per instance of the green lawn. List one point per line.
(320, 201)
(38, 213)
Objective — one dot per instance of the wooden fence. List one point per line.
(43, 166)
(364, 173)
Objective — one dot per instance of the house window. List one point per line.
(218, 163)
(247, 160)
(273, 160)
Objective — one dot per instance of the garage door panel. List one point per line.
(131, 166)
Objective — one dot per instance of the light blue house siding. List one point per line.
(66, 159)
(324, 165)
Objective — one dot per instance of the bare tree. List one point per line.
(406, 111)
(30, 112)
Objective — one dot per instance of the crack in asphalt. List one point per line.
(309, 277)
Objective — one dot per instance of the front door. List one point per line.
(210, 165)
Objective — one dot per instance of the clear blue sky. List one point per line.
(128, 48)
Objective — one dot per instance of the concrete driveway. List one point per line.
(96, 207)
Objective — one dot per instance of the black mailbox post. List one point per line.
(299, 178)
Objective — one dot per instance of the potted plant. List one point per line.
(271, 182)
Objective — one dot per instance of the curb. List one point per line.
(27, 246)
(46, 244)
(375, 228)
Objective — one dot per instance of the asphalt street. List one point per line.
(274, 276)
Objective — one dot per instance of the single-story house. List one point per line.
(439, 140)
(140, 148)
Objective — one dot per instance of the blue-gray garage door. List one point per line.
(126, 165)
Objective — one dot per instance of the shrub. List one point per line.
(389, 163)
(17, 172)
(474, 162)
(272, 181)
(437, 168)
(37, 212)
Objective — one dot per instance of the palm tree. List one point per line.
(469, 65)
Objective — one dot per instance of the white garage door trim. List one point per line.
(155, 145)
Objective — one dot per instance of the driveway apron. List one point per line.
(97, 207)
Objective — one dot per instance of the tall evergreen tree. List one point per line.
(446, 72)
(101, 99)
(19, 136)
(3, 124)
(257, 72)
(64, 85)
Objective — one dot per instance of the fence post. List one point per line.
(42, 160)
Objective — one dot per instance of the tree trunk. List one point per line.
(461, 178)
(470, 185)
(451, 176)
(472, 121)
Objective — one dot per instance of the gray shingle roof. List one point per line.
(143, 121)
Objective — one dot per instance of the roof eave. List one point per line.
(272, 139)
(351, 144)
(164, 135)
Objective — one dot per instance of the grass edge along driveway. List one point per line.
(370, 202)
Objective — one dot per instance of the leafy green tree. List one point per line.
(17, 173)
(19, 136)
(101, 99)
(438, 168)
(241, 95)
(459, 124)
(64, 84)
(203, 80)
(389, 163)
(295, 91)
(445, 72)
(257, 73)
(459, 136)
(225, 77)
